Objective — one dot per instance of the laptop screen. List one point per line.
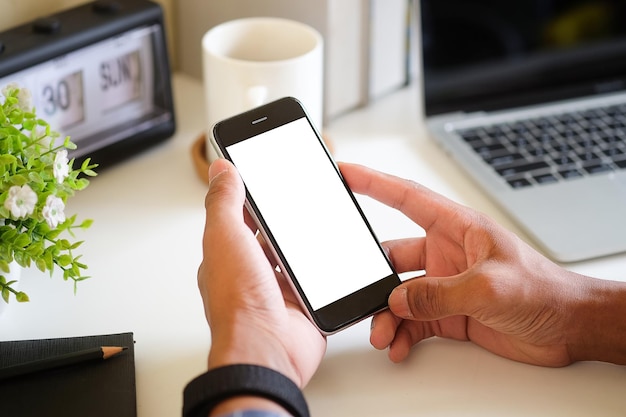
(492, 54)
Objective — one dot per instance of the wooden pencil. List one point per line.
(72, 358)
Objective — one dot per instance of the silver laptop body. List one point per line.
(506, 115)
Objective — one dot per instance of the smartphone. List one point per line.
(306, 212)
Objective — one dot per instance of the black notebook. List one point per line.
(91, 389)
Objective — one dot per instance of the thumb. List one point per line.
(226, 193)
(428, 299)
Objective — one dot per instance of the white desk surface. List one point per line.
(143, 252)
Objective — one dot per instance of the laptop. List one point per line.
(529, 97)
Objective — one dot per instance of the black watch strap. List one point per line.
(206, 391)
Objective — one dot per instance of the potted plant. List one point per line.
(36, 179)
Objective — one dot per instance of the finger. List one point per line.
(408, 334)
(429, 298)
(420, 204)
(223, 204)
(407, 255)
(227, 239)
(383, 329)
(398, 335)
(226, 195)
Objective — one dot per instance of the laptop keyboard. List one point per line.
(554, 148)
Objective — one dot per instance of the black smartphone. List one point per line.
(306, 212)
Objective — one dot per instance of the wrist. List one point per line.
(599, 331)
(240, 387)
(252, 347)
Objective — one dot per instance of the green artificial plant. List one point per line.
(36, 179)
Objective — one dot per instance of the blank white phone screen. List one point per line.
(314, 221)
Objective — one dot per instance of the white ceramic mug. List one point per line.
(252, 61)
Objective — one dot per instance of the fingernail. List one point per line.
(215, 170)
(399, 303)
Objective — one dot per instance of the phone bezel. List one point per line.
(347, 310)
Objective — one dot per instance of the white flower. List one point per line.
(24, 97)
(6, 91)
(61, 166)
(21, 201)
(53, 211)
(25, 100)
